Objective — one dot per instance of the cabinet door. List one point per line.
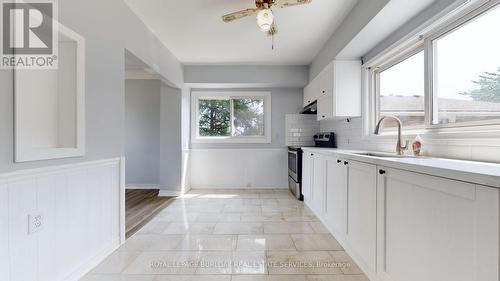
(361, 214)
(325, 107)
(336, 197)
(318, 184)
(307, 168)
(326, 81)
(307, 95)
(449, 228)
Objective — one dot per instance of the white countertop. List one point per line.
(468, 171)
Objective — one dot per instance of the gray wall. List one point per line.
(106, 40)
(284, 101)
(142, 132)
(170, 139)
(433, 10)
(358, 18)
(246, 76)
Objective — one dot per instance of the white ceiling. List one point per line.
(195, 33)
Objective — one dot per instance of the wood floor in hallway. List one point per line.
(141, 205)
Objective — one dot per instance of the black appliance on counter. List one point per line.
(295, 154)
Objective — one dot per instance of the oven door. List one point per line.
(293, 165)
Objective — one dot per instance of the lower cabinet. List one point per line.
(406, 226)
(307, 177)
(318, 184)
(436, 229)
(336, 197)
(362, 212)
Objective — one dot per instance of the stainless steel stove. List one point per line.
(295, 161)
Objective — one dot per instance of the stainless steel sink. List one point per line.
(384, 155)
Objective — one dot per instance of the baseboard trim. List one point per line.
(142, 186)
(85, 268)
(171, 193)
(239, 188)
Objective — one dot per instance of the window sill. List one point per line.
(232, 140)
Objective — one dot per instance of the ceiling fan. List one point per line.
(265, 16)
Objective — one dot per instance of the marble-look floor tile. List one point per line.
(269, 278)
(222, 217)
(319, 227)
(164, 263)
(242, 209)
(238, 228)
(118, 277)
(231, 235)
(249, 263)
(116, 262)
(191, 228)
(193, 278)
(287, 228)
(265, 242)
(349, 266)
(262, 217)
(318, 262)
(152, 242)
(208, 243)
(316, 242)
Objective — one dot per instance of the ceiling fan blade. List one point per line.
(290, 3)
(238, 15)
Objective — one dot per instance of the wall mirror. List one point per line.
(50, 104)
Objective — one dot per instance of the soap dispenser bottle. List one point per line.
(417, 146)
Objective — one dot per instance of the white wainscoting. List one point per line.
(80, 204)
(239, 168)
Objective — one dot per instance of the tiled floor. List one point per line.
(231, 235)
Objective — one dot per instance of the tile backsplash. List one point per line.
(350, 136)
(300, 129)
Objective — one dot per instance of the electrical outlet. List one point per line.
(35, 223)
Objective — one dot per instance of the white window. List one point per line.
(401, 90)
(449, 77)
(242, 117)
(466, 72)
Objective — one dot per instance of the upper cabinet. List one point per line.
(337, 89)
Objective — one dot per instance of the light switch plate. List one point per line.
(35, 222)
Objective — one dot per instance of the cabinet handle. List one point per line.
(339, 161)
(324, 116)
(324, 92)
(382, 172)
(346, 163)
(312, 154)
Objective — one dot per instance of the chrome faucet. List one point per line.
(399, 147)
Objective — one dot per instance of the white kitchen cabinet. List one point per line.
(335, 215)
(361, 213)
(311, 92)
(340, 90)
(436, 229)
(307, 170)
(318, 184)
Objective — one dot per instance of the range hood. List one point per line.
(311, 108)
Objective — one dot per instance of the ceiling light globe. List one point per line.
(265, 19)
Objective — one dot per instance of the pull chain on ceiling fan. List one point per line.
(265, 17)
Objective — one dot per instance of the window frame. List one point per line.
(408, 53)
(424, 39)
(196, 96)
(430, 49)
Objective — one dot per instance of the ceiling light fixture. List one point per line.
(265, 19)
